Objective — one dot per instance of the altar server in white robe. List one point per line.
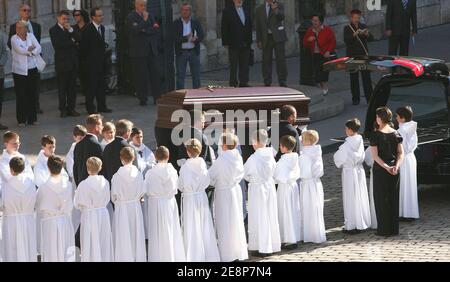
(41, 171)
(287, 173)
(18, 198)
(145, 161)
(54, 204)
(312, 224)
(165, 242)
(198, 230)
(225, 174)
(373, 215)
(127, 190)
(409, 202)
(91, 197)
(11, 141)
(263, 226)
(350, 158)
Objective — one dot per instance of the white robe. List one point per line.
(350, 158)
(198, 230)
(263, 226)
(127, 189)
(312, 225)
(145, 162)
(18, 220)
(5, 172)
(76, 214)
(409, 202)
(54, 204)
(287, 173)
(41, 171)
(70, 160)
(91, 197)
(165, 243)
(225, 175)
(373, 215)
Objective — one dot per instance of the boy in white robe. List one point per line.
(287, 172)
(373, 215)
(11, 140)
(198, 230)
(41, 172)
(312, 224)
(350, 158)
(91, 197)
(225, 175)
(165, 242)
(18, 198)
(108, 134)
(409, 202)
(54, 204)
(127, 190)
(263, 226)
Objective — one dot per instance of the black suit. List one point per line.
(66, 66)
(86, 148)
(93, 52)
(143, 52)
(401, 22)
(287, 129)
(238, 38)
(111, 157)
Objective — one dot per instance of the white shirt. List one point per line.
(268, 13)
(187, 29)
(241, 14)
(22, 59)
(29, 26)
(97, 26)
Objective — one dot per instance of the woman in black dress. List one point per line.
(387, 153)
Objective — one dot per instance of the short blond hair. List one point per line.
(108, 126)
(123, 126)
(127, 154)
(310, 137)
(260, 136)
(94, 165)
(194, 147)
(230, 140)
(162, 153)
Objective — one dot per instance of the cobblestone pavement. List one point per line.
(427, 239)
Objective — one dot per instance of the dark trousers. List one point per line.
(82, 75)
(399, 45)
(66, 90)
(146, 76)
(2, 85)
(26, 95)
(95, 91)
(367, 85)
(319, 74)
(280, 58)
(183, 59)
(239, 66)
(38, 91)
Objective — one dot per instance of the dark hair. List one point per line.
(353, 124)
(55, 165)
(288, 142)
(355, 12)
(135, 131)
(405, 112)
(321, 17)
(84, 14)
(385, 114)
(48, 140)
(286, 111)
(94, 11)
(63, 13)
(17, 164)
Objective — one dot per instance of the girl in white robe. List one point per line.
(350, 158)
(18, 221)
(312, 224)
(287, 173)
(263, 226)
(127, 190)
(409, 202)
(225, 175)
(91, 197)
(198, 231)
(373, 215)
(54, 204)
(165, 242)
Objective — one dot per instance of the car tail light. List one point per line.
(417, 68)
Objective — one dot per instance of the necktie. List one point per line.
(405, 4)
(100, 31)
(141, 154)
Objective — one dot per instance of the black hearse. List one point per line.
(423, 84)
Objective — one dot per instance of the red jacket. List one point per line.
(326, 40)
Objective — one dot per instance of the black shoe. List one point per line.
(283, 84)
(405, 219)
(244, 85)
(40, 111)
(267, 84)
(105, 110)
(261, 255)
(356, 103)
(64, 114)
(350, 232)
(3, 127)
(289, 247)
(73, 113)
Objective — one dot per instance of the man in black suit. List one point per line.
(88, 147)
(66, 63)
(143, 52)
(111, 153)
(237, 38)
(401, 23)
(288, 116)
(33, 27)
(93, 51)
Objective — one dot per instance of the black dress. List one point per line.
(385, 185)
